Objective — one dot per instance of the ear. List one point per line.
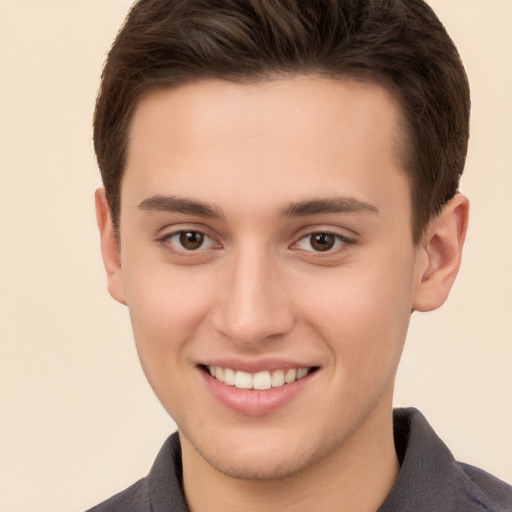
(109, 247)
(440, 254)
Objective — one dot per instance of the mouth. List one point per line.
(259, 381)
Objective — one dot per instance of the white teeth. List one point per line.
(229, 377)
(302, 373)
(243, 380)
(277, 378)
(260, 380)
(290, 376)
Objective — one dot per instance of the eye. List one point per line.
(187, 241)
(322, 242)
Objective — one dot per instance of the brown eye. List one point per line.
(191, 240)
(322, 241)
(189, 245)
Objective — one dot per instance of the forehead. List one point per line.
(268, 139)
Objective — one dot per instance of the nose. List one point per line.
(252, 304)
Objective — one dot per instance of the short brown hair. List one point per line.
(399, 43)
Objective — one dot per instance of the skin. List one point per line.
(258, 291)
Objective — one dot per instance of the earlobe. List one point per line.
(440, 254)
(109, 247)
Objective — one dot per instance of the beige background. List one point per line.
(78, 421)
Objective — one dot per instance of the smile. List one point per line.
(258, 381)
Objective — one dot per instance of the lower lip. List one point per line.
(255, 402)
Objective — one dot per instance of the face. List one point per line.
(265, 238)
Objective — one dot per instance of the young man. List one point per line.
(281, 192)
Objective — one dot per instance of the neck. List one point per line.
(356, 477)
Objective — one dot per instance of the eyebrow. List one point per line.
(331, 205)
(172, 204)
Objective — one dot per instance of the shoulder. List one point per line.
(160, 491)
(430, 479)
(487, 490)
(133, 499)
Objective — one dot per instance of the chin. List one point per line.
(260, 460)
(259, 468)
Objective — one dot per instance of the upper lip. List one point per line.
(255, 366)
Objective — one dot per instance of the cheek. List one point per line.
(363, 318)
(166, 309)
